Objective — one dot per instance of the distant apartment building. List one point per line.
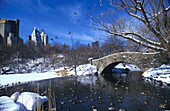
(95, 44)
(9, 32)
(40, 38)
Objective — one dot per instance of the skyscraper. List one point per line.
(9, 32)
(40, 38)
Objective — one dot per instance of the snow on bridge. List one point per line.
(142, 60)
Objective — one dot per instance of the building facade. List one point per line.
(9, 32)
(44, 38)
(39, 38)
(95, 44)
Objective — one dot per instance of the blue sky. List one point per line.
(56, 17)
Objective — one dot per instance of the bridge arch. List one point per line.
(142, 60)
(108, 68)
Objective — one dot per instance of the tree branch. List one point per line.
(158, 35)
(140, 42)
(164, 14)
(143, 39)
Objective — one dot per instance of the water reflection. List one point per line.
(118, 90)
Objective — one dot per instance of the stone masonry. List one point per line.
(144, 61)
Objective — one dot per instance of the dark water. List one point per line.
(119, 91)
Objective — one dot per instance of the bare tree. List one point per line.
(151, 18)
(112, 45)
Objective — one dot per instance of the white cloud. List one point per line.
(83, 37)
(77, 36)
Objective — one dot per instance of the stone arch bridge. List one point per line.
(144, 61)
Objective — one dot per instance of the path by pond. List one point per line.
(84, 93)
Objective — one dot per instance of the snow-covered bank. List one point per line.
(85, 69)
(25, 101)
(8, 80)
(125, 67)
(160, 74)
(38, 65)
(21, 78)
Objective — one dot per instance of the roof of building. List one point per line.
(2, 20)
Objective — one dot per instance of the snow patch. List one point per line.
(32, 66)
(31, 100)
(15, 96)
(60, 56)
(125, 67)
(86, 69)
(8, 104)
(160, 74)
(22, 78)
(24, 101)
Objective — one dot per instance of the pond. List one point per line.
(127, 91)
